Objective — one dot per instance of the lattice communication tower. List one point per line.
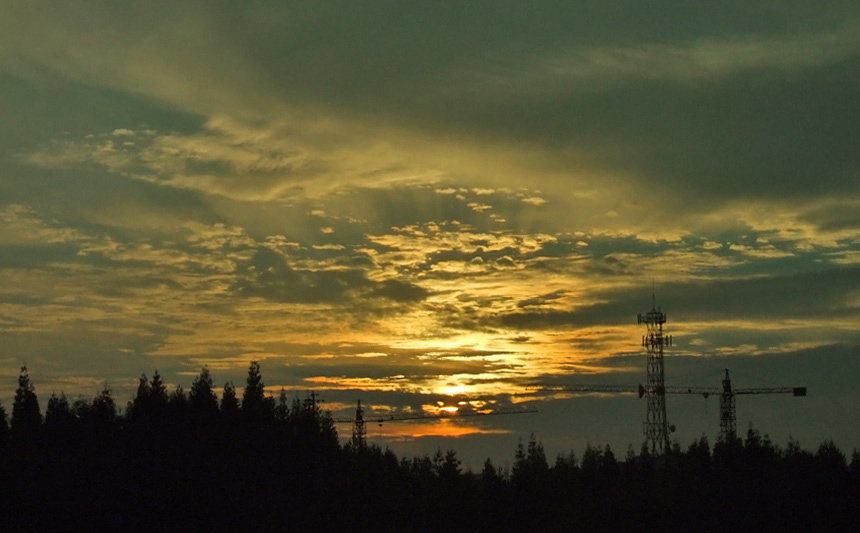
(655, 426)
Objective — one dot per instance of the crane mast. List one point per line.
(728, 407)
(656, 427)
(728, 412)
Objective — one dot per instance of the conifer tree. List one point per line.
(490, 476)
(178, 412)
(536, 454)
(4, 426)
(137, 406)
(311, 425)
(630, 456)
(178, 400)
(699, 452)
(257, 410)
(591, 458)
(254, 394)
(830, 457)
(81, 408)
(58, 414)
(148, 407)
(608, 462)
(157, 391)
(229, 402)
(447, 466)
(103, 411)
(529, 462)
(202, 399)
(26, 415)
(282, 409)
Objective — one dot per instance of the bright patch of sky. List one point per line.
(419, 203)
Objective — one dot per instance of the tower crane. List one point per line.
(728, 412)
(656, 427)
(641, 390)
(359, 430)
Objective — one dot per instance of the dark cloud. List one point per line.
(750, 136)
(400, 291)
(469, 195)
(835, 218)
(806, 295)
(268, 275)
(736, 133)
(37, 255)
(43, 106)
(802, 295)
(544, 319)
(541, 300)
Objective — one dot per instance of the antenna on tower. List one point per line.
(653, 296)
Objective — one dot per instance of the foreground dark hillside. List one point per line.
(182, 460)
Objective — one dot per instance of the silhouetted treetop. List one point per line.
(254, 394)
(447, 465)
(140, 403)
(830, 456)
(4, 426)
(26, 414)
(287, 467)
(58, 413)
(202, 398)
(530, 462)
(178, 400)
(149, 405)
(104, 408)
(229, 401)
(282, 409)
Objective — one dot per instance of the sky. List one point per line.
(432, 204)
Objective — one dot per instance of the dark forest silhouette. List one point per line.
(176, 460)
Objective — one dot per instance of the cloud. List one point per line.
(277, 151)
(400, 291)
(478, 196)
(541, 300)
(701, 60)
(22, 225)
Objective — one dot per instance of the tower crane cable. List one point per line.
(359, 432)
(656, 427)
(728, 408)
(728, 411)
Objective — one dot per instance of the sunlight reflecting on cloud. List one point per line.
(458, 213)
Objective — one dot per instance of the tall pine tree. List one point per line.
(257, 410)
(58, 414)
(229, 402)
(4, 426)
(254, 394)
(26, 415)
(202, 399)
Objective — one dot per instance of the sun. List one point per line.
(454, 390)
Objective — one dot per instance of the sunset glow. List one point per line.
(425, 206)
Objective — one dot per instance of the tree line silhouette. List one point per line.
(176, 460)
